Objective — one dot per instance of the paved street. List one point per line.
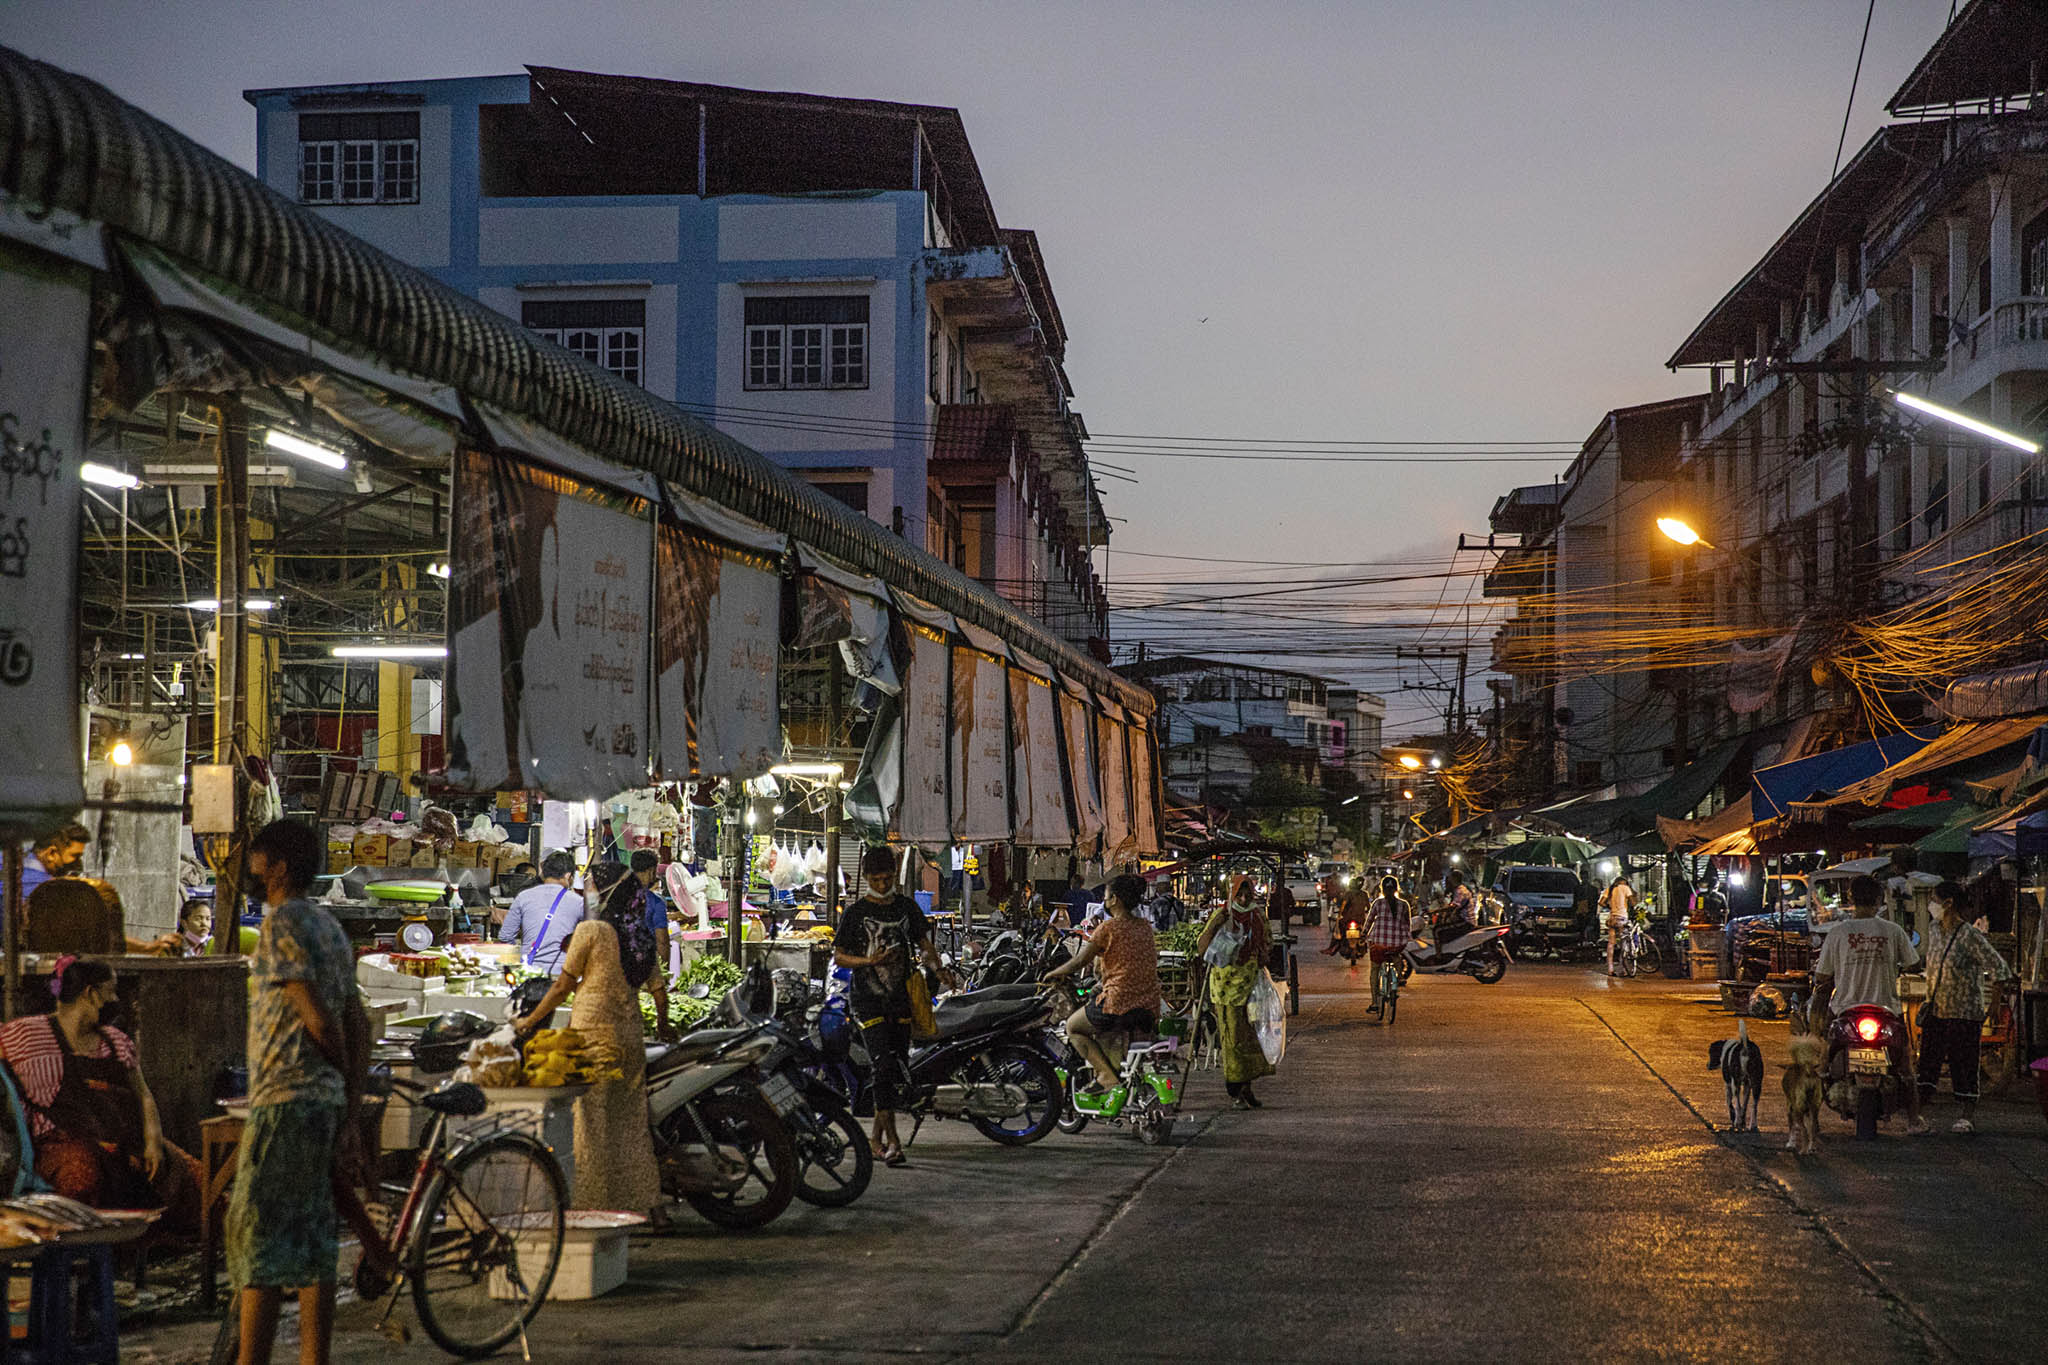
(1520, 1172)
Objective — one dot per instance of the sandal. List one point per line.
(894, 1157)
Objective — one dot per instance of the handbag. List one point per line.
(923, 1022)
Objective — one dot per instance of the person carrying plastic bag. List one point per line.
(1238, 935)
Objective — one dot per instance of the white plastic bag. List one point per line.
(1222, 949)
(1267, 1010)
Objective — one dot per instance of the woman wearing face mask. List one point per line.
(878, 936)
(1230, 990)
(609, 955)
(94, 1123)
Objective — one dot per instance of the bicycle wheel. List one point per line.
(485, 1248)
(1649, 957)
(836, 1161)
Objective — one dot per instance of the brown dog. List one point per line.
(1802, 1092)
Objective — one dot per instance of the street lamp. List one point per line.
(1967, 423)
(1411, 762)
(1679, 530)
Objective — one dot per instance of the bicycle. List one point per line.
(477, 1236)
(1636, 952)
(1390, 988)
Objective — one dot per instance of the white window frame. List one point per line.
(393, 170)
(320, 172)
(795, 339)
(604, 347)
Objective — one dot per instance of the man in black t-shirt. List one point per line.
(878, 935)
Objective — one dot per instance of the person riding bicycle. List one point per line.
(1126, 955)
(1386, 933)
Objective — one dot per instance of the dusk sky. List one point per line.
(1441, 222)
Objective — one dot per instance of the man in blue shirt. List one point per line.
(541, 918)
(645, 866)
(61, 854)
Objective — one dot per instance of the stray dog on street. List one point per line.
(1741, 1064)
(1802, 1093)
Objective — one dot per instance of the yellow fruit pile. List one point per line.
(566, 1056)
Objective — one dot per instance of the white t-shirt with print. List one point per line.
(1865, 956)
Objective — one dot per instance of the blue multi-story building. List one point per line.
(823, 278)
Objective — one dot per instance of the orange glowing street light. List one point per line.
(1679, 530)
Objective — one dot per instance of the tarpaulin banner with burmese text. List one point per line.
(718, 637)
(980, 752)
(1077, 734)
(923, 815)
(1144, 789)
(44, 346)
(1039, 793)
(1117, 841)
(548, 593)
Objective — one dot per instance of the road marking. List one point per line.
(1938, 1344)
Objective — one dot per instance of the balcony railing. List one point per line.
(2023, 320)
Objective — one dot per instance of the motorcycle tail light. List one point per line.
(1867, 1028)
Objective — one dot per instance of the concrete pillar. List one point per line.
(1918, 493)
(1788, 321)
(2005, 245)
(1962, 309)
(1844, 291)
(1763, 343)
(1921, 330)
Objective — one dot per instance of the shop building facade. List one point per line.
(824, 279)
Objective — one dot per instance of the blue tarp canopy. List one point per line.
(1772, 790)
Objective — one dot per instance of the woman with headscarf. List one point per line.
(609, 955)
(1230, 990)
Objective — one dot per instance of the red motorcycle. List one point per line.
(1866, 1075)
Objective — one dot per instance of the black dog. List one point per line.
(1741, 1063)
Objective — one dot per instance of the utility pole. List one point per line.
(231, 654)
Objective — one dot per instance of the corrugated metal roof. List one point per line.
(68, 144)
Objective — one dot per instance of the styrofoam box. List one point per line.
(593, 1255)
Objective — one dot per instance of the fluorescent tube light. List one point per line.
(106, 476)
(1950, 415)
(394, 651)
(304, 449)
(213, 604)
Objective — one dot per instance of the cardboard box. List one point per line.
(372, 850)
(506, 856)
(341, 855)
(463, 854)
(399, 854)
(425, 855)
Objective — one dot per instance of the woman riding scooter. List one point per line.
(1127, 958)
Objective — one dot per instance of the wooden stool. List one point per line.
(220, 1140)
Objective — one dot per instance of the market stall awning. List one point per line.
(1726, 831)
(1971, 749)
(1673, 798)
(2018, 831)
(1773, 790)
(1953, 835)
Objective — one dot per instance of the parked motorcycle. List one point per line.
(1863, 1082)
(1481, 954)
(721, 1139)
(834, 1159)
(987, 1065)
